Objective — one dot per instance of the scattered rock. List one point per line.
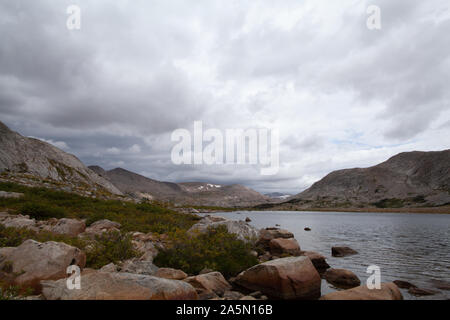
(286, 278)
(265, 257)
(268, 234)
(388, 291)
(205, 271)
(403, 284)
(70, 227)
(342, 251)
(204, 294)
(120, 286)
(211, 282)
(248, 219)
(318, 260)
(109, 268)
(441, 284)
(19, 221)
(242, 230)
(247, 298)
(14, 195)
(342, 278)
(281, 246)
(210, 218)
(232, 295)
(256, 294)
(33, 261)
(38, 297)
(102, 226)
(137, 266)
(169, 273)
(146, 245)
(307, 229)
(421, 292)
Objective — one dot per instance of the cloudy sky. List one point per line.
(341, 95)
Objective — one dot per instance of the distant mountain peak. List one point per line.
(409, 178)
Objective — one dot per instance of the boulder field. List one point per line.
(284, 271)
(286, 278)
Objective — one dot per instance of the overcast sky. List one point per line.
(342, 95)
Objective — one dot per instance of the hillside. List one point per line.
(186, 193)
(30, 158)
(409, 179)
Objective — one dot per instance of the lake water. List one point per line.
(406, 246)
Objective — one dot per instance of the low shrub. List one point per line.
(43, 203)
(109, 247)
(13, 237)
(42, 211)
(389, 203)
(216, 249)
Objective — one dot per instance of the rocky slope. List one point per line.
(407, 179)
(20, 155)
(187, 193)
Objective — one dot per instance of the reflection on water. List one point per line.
(410, 247)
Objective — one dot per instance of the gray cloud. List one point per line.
(138, 70)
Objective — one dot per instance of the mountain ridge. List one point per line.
(24, 156)
(185, 193)
(408, 179)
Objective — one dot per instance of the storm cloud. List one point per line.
(341, 95)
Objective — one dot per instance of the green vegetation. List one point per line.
(389, 203)
(42, 203)
(107, 248)
(13, 237)
(213, 208)
(110, 247)
(41, 211)
(419, 199)
(10, 292)
(216, 249)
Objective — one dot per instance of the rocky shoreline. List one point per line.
(285, 271)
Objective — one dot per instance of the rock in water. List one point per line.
(34, 261)
(286, 278)
(342, 251)
(342, 278)
(318, 260)
(403, 284)
(441, 284)
(421, 292)
(266, 235)
(388, 291)
(120, 286)
(281, 246)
